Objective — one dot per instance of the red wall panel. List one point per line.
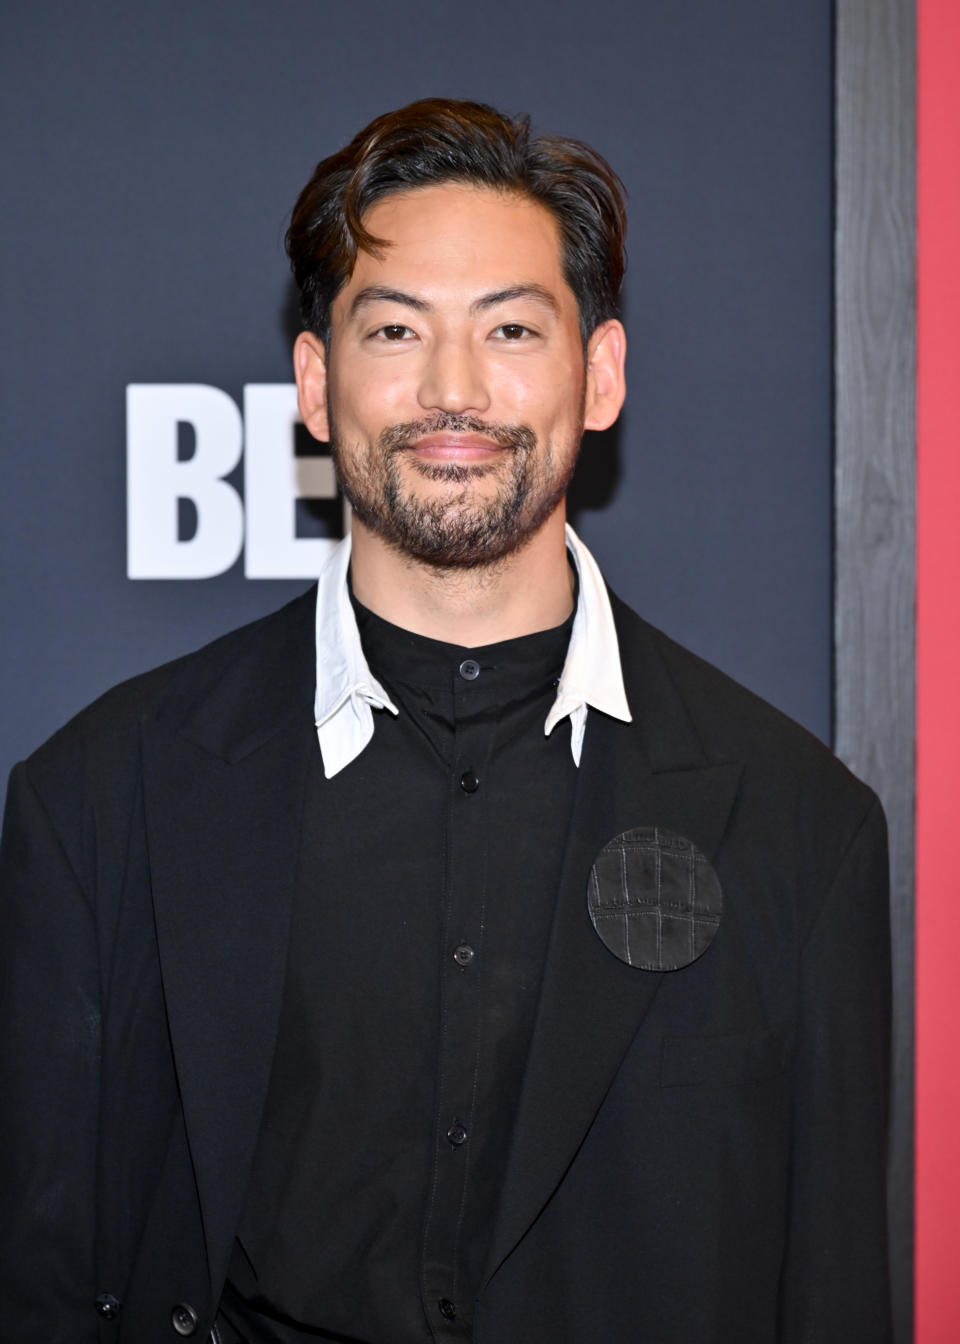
(938, 677)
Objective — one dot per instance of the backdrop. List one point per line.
(153, 155)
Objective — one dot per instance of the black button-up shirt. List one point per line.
(427, 877)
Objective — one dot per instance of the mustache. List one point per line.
(518, 438)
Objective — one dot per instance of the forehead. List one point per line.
(462, 238)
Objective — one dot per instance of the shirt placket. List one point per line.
(461, 981)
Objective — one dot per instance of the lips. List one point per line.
(459, 439)
(447, 447)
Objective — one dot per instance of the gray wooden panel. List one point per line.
(875, 279)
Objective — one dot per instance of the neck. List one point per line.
(527, 591)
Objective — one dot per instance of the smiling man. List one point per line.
(449, 955)
(454, 384)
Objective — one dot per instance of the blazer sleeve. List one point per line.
(835, 1279)
(49, 1081)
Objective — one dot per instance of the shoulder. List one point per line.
(787, 770)
(800, 821)
(101, 739)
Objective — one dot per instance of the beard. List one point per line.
(466, 527)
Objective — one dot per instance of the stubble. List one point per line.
(468, 525)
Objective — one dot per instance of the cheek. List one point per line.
(527, 382)
(547, 398)
(367, 400)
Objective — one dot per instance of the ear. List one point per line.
(606, 384)
(310, 371)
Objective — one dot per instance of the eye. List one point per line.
(393, 331)
(513, 331)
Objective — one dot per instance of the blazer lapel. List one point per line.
(224, 788)
(652, 772)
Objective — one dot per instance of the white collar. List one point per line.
(347, 691)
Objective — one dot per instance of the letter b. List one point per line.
(156, 480)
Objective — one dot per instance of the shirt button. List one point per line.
(448, 1309)
(469, 670)
(107, 1306)
(184, 1319)
(469, 782)
(456, 1134)
(464, 954)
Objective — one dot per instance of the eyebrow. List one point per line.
(529, 291)
(383, 294)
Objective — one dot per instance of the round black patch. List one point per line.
(654, 899)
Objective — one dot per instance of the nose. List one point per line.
(454, 378)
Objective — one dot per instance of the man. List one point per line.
(531, 986)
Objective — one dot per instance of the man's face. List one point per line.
(455, 375)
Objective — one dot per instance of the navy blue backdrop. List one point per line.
(153, 153)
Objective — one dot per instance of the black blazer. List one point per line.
(698, 1154)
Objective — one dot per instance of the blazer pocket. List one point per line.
(748, 1056)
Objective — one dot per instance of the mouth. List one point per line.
(463, 449)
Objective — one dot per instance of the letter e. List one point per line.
(274, 479)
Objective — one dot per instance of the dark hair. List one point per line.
(440, 140)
